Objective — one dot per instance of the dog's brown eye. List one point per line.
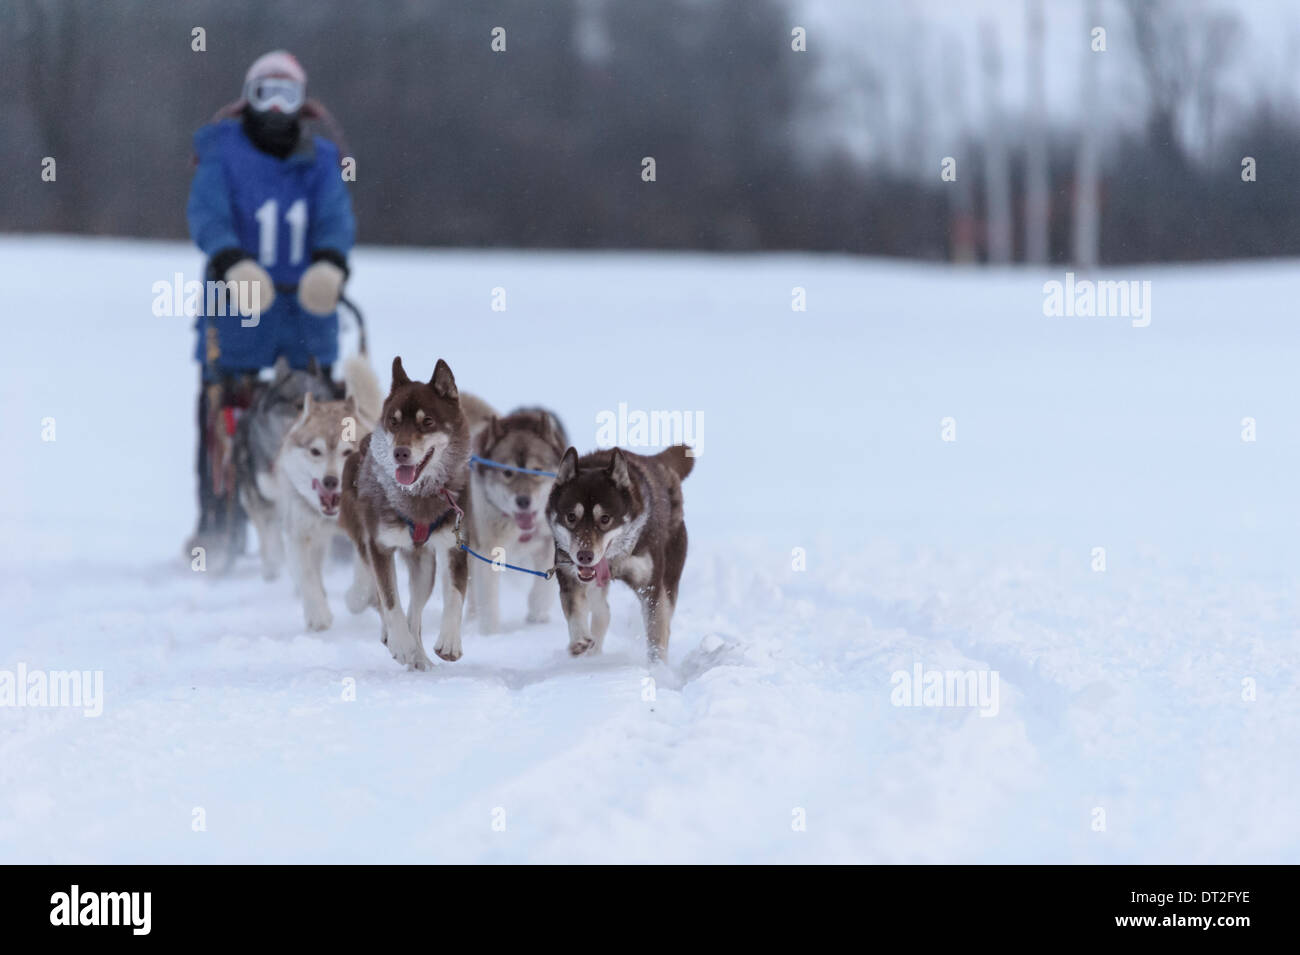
(394, 421)
(315, 452)
(604, 520)
(347, 452)
(571, 517)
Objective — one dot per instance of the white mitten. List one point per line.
(319, 287)
(254, 286)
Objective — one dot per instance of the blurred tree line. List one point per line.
(542, 145)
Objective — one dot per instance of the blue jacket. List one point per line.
(279, 211)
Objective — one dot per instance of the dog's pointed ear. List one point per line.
(495, 428)
(399, 373)
(281, 370)
(568, 468)
(618, 472)
(444, 383)
(306, 409)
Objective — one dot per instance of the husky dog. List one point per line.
(617, 515)
(477, 412)
(507, 506)
(309, 488)
(401, 491)
(258, 437)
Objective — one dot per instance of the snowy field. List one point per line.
(1145, 713)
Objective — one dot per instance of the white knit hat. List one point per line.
(276, 63)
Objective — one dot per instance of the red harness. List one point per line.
(421, 532)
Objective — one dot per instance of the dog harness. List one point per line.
(420, 532)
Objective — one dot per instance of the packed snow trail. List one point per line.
(772, 734)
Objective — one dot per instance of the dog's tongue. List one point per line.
(405, 474)
(599, 572)
(329, 500)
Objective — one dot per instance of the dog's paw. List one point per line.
(538, 616)
(319, 618)
(420, 661)
(357, 601)
(448, 650)
(578, 647)
(415, 659)
(409, 654)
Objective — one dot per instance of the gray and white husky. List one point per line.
(258, 438)
(308, 473)
(507, 518)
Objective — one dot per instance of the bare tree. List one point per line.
(997, 179)
(1161, 34)
(1219, 42)
(1087, 211)
(55, 77)
(1037, 174)
(1183, 52)
(961, 200)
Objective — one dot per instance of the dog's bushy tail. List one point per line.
(363, 387)
(678, 458)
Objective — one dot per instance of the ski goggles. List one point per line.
(275, 92)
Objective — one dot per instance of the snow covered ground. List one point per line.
(1157, 697)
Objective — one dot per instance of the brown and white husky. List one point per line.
(401, 492)
(508, 503)
(308, 472)
(618, 516)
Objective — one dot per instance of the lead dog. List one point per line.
(618, 516)
(508, 504)
(309, 490)
(401, 491)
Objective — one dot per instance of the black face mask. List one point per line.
(272, 132)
